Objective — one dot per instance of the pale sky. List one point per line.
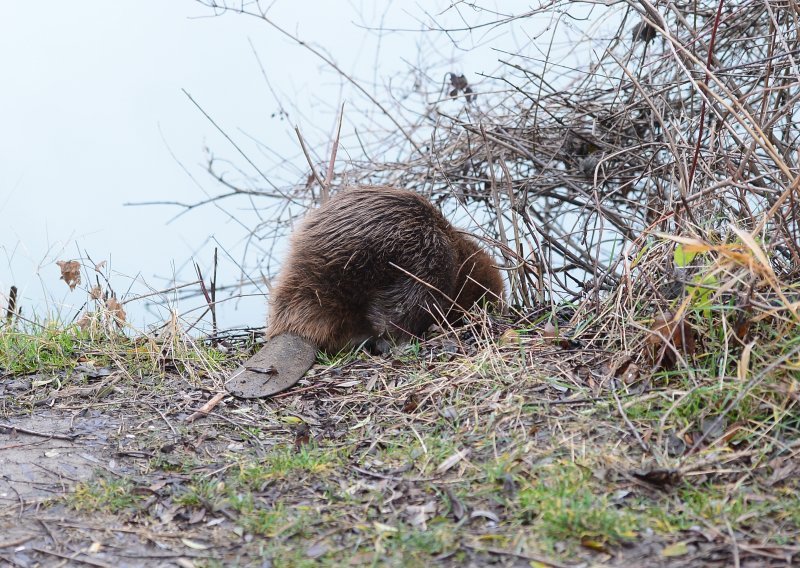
(92, 107)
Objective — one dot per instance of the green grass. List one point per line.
(106, 494)
(51, 347)
(561, 502)
(240, 490)
(36, 349)
(343, 357)
(201, 492)
(551, 479)
(285, 461)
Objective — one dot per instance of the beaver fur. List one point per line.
(377, 264)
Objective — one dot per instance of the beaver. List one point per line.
(373, 265)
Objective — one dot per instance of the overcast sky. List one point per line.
(93, 115)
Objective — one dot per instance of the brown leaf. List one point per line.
(418, 515)
(412, 403)
(456, 505)
(660, 477)
(782, 469)
(550, 331)
(458, 82)
(70, 272)
(661, 329)
(628, 372)
(668, 334)
(84, 321)
(302, 436)
(452, 460)
(741, 327)
(197, 516)
(643, 32)
(591, 544)
(116, 310)
(96, 293)
(317, 549)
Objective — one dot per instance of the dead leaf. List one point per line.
(592, 544)
(668, 334)
(412, 403)
(197, 516)
(100, 266)
(70, 272)
(675, 549)
(96, 293)
(659, 477)
(485, 514)
(302, 436)
(316, 550)
(452, 460)
(418, 514)
(456, 505)
(84, 321)
(550, 331)
(158, 485)
(116, 310)
(193, 544)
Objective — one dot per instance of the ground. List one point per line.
(501, 449)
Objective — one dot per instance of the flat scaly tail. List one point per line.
(277, 366)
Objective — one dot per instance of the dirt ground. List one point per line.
(372, 462)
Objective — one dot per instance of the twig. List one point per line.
(527, 556)
(314, 172)
(207, 407)
(67, 437)
(332, 162)
(76, 557)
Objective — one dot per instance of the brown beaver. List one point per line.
(373, 265)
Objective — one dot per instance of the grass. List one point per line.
(284, 461)
(463, 447)
(105, 494)
(454, 456)
(38, 348)
(52, 347)
(561, 502)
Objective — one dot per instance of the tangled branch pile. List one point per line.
(655, 183)
(685, 126)
(659, 185)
